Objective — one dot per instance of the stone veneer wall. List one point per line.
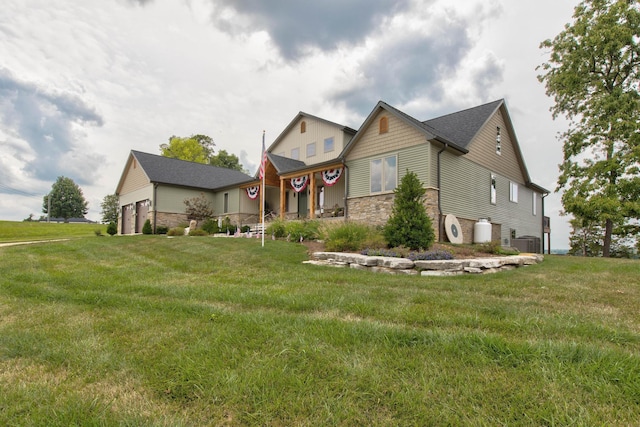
(170, 219)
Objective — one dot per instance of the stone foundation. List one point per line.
(391, 265)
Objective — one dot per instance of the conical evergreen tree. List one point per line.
(409, 224)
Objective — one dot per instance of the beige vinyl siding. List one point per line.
(142, 193)
(135, 178)
(482, 149)
(466, 194)
(333, 195)
(414, 158)
(400, 136)
(316, 131)
(171, 199)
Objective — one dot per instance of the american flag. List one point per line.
(263, 162)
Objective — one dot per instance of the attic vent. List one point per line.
(498, 147)
(303, 126)
(384, 124)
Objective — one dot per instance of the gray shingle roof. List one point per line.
(285, 164)
(164, 170)
(460, 127)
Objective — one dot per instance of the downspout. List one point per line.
(549, 248)
(346, 189)
(155, 206)
(446, 145)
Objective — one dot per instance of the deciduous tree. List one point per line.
(196, 148)
(65, 199)
(226, 160)
(109, 207)
(593, 75)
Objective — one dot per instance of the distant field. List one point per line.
(19, 231)
(203, 331)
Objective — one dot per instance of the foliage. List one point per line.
(352, 236)
(272, 341)
(226, 160)
(298, 231)
(146, 228)
(196, 148)
(29, 219)
(176, 231)
(494, 247)
(198, 232)
(66, 200)
(98, 232)
(112, 229)
(227, 226)
(593, 73)
(210, 225)
(587, 239)
(409, 224)
(162, 229)
(198, 208)
(277, 228)
(109, 208)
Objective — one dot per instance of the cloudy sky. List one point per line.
(84, 82)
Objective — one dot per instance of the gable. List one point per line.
(307, 134)
(371, 142)
(133, 177)
(482, 148)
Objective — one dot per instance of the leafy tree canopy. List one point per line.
(196, 148)
(109, 207)
(66, 200)
(226, 160)
(593, 74)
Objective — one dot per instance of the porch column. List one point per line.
(283, 194)
(312, 202)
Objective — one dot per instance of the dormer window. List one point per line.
(498, 147)
(384, 124)
(303, 126)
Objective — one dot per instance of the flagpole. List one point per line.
(264, 173)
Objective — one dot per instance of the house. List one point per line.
(155, 187)
(469, 162)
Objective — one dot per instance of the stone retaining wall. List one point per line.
(454, 267)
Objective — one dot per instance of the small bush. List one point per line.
(162, 229)
(302, 230)
(176, 231)
(494, 247)
(352, 237)
(277, 228)
(210, 226)
(245, 228)
(98, 232)
(112, 229)
(198, 232)
(146, 228)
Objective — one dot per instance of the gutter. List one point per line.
(155, 206)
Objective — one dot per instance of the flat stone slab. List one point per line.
(392, 265)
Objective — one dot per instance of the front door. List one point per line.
(302, 204)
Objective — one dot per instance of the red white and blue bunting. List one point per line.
(331, 176)
(253, 192)
(299, 183)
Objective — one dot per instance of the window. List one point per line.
(226, 203)
(295, 153)
(534, 200)
(311, 149)
(384, 124)
(498, 146)
(513, 192)
(493, 190)
(303, 126)
(328, 144)
(383, 174)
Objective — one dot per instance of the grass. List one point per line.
(11, 231)
(150, 330)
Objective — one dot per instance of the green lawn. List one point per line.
(195, 331)
(11, 231)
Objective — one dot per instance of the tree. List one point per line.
(593, 74)
(66, 200)
(587, 239)
(409, 224)
(196, 148)
(226, 160)
(198, 208)
(109, 207)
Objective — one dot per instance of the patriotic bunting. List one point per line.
(331, 176)
(253, 192)
(299, 183)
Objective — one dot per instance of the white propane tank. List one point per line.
(482, 231)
